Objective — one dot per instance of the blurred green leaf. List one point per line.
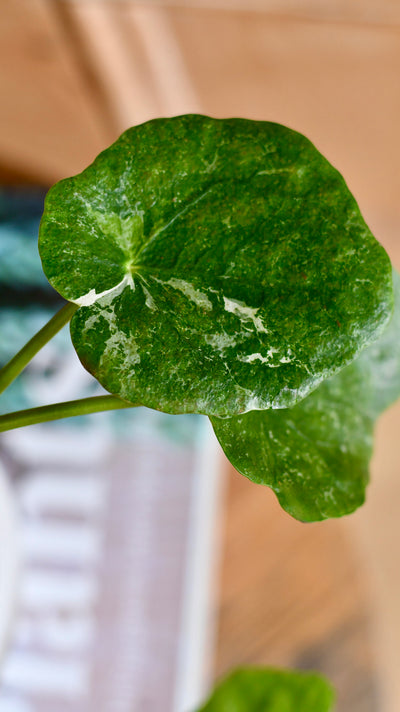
(264, 690)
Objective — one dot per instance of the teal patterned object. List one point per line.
(20, 267)
(269, 690)
(221, 266)
(27, 300)
(315, 456)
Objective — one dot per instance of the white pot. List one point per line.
(9, 560)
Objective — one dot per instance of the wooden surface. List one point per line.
(49, 125)
(293, 595)
(73, 75)
(355, 11)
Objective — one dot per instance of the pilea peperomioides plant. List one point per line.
(222, 267)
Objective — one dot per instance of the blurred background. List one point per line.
(73, 75)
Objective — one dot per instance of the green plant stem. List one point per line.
(13, 368)
(56, 411)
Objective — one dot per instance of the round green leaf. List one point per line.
(221, 266)
(315, 455)
(269, 690)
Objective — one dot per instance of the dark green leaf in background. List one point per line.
(315, 455)
(221, 266)
(264, 690)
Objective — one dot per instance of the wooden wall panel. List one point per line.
(354, 11)
(49, 123)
